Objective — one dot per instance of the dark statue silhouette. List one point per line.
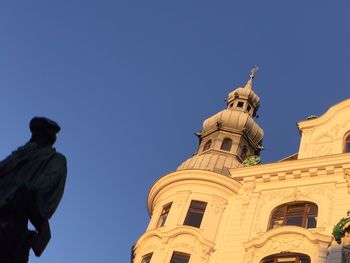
(32, 181)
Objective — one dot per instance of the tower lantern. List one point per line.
(231, 135)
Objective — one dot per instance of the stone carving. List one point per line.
(347, 178)
(246, 195)
(307, 137)
(285, 243)
(321, 149)
(181, 198)
(247, 191)
(184, 245)
(218, 205)
(205, 253)
(323, 143)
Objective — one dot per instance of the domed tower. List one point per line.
(231, 135)
(187, 207)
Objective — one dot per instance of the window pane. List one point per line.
(226, 144)
(294, 221)
(296, 209)
(164, 215)
(194, 219)
(199, 206)
(180, 258)
(312, 209)
(207, 145)
(147, 258)
(347, 148)
(162, 220)
(278, 213)
(311, 222)
(195, 214)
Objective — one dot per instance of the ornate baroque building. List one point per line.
(218, 208)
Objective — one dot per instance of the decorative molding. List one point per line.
(181, 198)
(223, 185)
(347, 178)
(308, 167)
(218, 204)
(288, 239)
(246, 192)
(245, 196)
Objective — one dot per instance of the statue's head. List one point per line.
(43, 131)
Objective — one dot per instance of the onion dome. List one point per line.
(231, 135)
(232, 120)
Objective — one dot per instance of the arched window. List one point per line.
(226, 144)
(207, 145)
(287, 258)
(347, 143)
(302, 214)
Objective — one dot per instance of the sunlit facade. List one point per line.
(222, 206)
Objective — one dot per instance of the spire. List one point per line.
(230, 136)
(244, 98)
(249, 84)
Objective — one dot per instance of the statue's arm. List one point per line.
(48, 189)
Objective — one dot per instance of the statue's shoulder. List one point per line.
(58, 159)
(60, 156)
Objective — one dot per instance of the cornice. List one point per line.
(224, 182)
(313, 237)
(294, 169)
(165, 235)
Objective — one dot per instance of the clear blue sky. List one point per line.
(130, 81)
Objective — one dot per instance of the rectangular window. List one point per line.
(240, 104)
(147, 258)
(195, 214)
(180, 258)
(164, 215)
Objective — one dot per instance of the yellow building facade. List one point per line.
(222, 206)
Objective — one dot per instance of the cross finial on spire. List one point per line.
(253, 71)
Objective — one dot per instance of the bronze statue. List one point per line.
(32, 181)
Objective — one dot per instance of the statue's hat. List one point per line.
(42, 125)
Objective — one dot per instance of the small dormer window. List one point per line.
(226, 144)
(240, 104)
(207, 145)
(347, 143)
(248, 108)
